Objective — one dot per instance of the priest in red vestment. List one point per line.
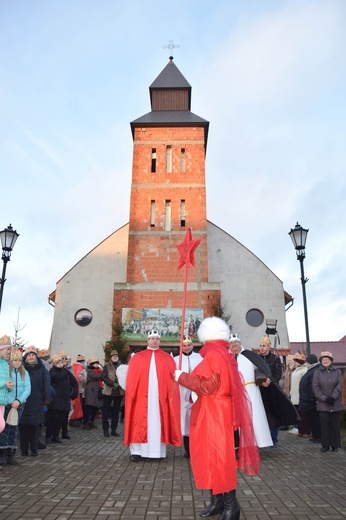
(152, 402)
(221, 407)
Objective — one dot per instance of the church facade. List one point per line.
(132, 277)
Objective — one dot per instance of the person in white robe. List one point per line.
(152, 409)
(247, 369)
(190, 360)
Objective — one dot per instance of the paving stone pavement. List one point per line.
(90, 477)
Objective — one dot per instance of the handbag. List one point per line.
(260, 377)
(12, 417)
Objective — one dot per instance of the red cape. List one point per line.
(136, 398)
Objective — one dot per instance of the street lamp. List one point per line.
(8, 239)
(298, 236)
(271, 329)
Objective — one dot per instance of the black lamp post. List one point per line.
(8, 239)
(298, 236)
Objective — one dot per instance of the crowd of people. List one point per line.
(41, 399)
(318, 392)
(224, 392)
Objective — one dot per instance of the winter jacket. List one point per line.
(344, 389)
(40, 393)
(327, 382)
(297, 375)
(275, 365)
(307, 399)
(66, 388)
(22, 387)
(93, 388)
(5, 393)
(109, 377)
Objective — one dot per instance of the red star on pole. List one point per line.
(187, 250)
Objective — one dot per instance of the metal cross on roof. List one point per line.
(171, 45)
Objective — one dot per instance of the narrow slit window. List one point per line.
(182, 160)
(153, 160)
(182, 213)
(169, 159)
(168, 215)
(152, 213)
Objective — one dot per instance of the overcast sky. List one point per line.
(270, 76)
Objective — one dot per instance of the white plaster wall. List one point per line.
(89, 284)
(246, 283)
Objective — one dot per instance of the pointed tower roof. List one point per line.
(170, 78)
(170, 99)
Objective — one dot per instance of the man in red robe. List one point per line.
(222, 406)
(152, 402)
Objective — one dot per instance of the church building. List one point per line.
(132, 277)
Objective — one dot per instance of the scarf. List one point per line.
(97, 371)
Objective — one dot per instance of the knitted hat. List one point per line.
(326, 354)
(153, 334)
(30, 352)
(213, 328)
(234, 337)
(265, 341)
(2, 347)
(311, 359)
(114, 353)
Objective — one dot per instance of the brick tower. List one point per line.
(168, 196)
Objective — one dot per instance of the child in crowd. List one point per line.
(17, 398)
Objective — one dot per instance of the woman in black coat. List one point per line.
(65, 386)
(32, 417)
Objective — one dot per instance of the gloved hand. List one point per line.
(330, 400)
(194, 396)
(177, 374)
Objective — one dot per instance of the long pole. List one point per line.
(3, 280)
(303, 280)
(183, 319)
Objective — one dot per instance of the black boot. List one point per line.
(215, 507)
(231, 510)
(10, 457)
(3, 457)
(186, 441)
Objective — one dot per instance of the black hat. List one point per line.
(311, 359)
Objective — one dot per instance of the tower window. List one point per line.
(153, 160)
(169, 159)
(182, 160)
(182, 213)
(168, 215)
(152, 213)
